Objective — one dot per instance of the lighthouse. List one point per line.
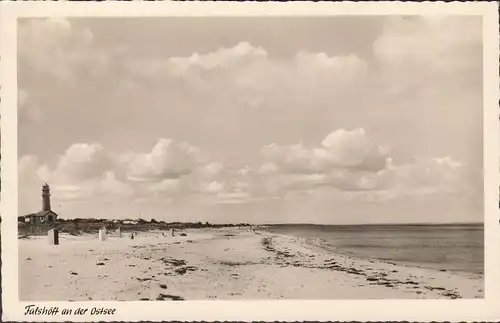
(46, 215)
(46, 197)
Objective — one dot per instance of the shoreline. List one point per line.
(329, 246)
(234, 263)
(376, 272)
(429, 266)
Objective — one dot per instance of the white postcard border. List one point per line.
(297, 310)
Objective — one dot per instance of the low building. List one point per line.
(46, 215)
(130, 222)
(41, 217)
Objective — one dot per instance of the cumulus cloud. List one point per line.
(241, 53)
(434, 175)
(227, 185)
(349, 161)
(83, 161)
(55, 47)
(167, 160)
(105, 187)
(83, 171)
(226, 193)
(295, 158)
(166, 186)
(80, 162)
(353, 149)
(252, 74)
(340, 149)
(216, 183)
(213, 187)
(86, 171)
(213, 168)
(351, 166)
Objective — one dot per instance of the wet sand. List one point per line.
(206, 264)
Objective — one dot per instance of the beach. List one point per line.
(209, 264)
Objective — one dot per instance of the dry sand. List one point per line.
(232, 263)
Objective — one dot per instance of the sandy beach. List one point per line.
(235, 263)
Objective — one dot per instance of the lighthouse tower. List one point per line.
(46, 215)
(46, 197)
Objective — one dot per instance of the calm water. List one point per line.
(458, 247)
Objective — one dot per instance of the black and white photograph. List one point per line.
(196, 158)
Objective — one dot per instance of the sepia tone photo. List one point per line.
(229, 158)
(216, 161)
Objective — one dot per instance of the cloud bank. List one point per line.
(242, 128)
(345, 161)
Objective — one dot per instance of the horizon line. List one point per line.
(290, 223)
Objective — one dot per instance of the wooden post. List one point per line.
(53, 235)
(102, 234)
(118, 233)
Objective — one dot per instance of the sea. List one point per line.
(455, 247)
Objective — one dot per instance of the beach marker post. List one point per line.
(102, 234)
(53, 235)
(118, 233)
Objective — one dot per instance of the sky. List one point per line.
(328, 120)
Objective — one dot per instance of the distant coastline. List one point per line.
(378, 224)
(81, 226)
(91, 225)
